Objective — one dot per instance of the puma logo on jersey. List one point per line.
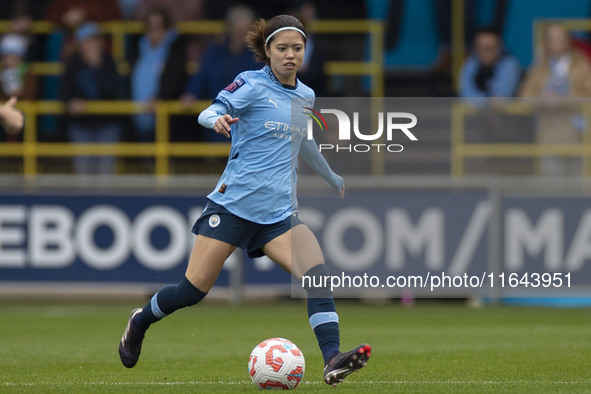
(273, 102)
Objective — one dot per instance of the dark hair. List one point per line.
(489, 30)
(255, 39)
(163, 13)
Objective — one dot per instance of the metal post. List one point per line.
(457, 40)
(457, 139)
(494, 265)
(30, 140)
(161, 140)
(586, 171)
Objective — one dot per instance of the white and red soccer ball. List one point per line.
(276, 363)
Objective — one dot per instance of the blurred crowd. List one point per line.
(158, 61)
(561, 71)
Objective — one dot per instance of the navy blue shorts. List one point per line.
(219, 223)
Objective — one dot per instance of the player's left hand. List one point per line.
(12, 119)
(342, 192)
(222, 125)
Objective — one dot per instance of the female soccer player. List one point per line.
(251, 206)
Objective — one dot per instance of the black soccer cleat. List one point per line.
(343, 364)
(130, 346)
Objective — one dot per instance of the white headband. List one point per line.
(282, 29)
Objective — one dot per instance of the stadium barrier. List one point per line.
(118, 235)
(162, 149)
(461, 149)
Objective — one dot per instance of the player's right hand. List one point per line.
(222, 125)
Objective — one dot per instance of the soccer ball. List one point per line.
(276, 364)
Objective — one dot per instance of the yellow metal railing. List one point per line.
(374, 67)
(460, 149)
(161, 149)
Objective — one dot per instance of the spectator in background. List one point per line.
(221, 62)
(73, 13)
(265, 9)
(90, 74)
(178, 10)
(444, 22)
(15, 77)
(129, 8)
(490, 71)
(70, 14)
(560, 71)
(224, 60)
(160, 70)
(21, 14)
(16, 80)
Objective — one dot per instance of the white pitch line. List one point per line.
(172, 383)
(468, 382)
(240, 382)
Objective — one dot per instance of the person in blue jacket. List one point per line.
(254, 206)
(490, 71)
(222, 61)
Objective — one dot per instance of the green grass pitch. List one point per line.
(430, 347)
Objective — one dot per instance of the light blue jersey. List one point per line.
(259, 181)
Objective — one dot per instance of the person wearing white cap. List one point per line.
(14, 44)
(90, 74)
(15, 77)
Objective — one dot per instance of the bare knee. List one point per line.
(206, 261)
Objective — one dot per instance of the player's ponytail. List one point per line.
(261, 31)
(255, 40)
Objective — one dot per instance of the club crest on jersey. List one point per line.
(214, 221)
(235, 85)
